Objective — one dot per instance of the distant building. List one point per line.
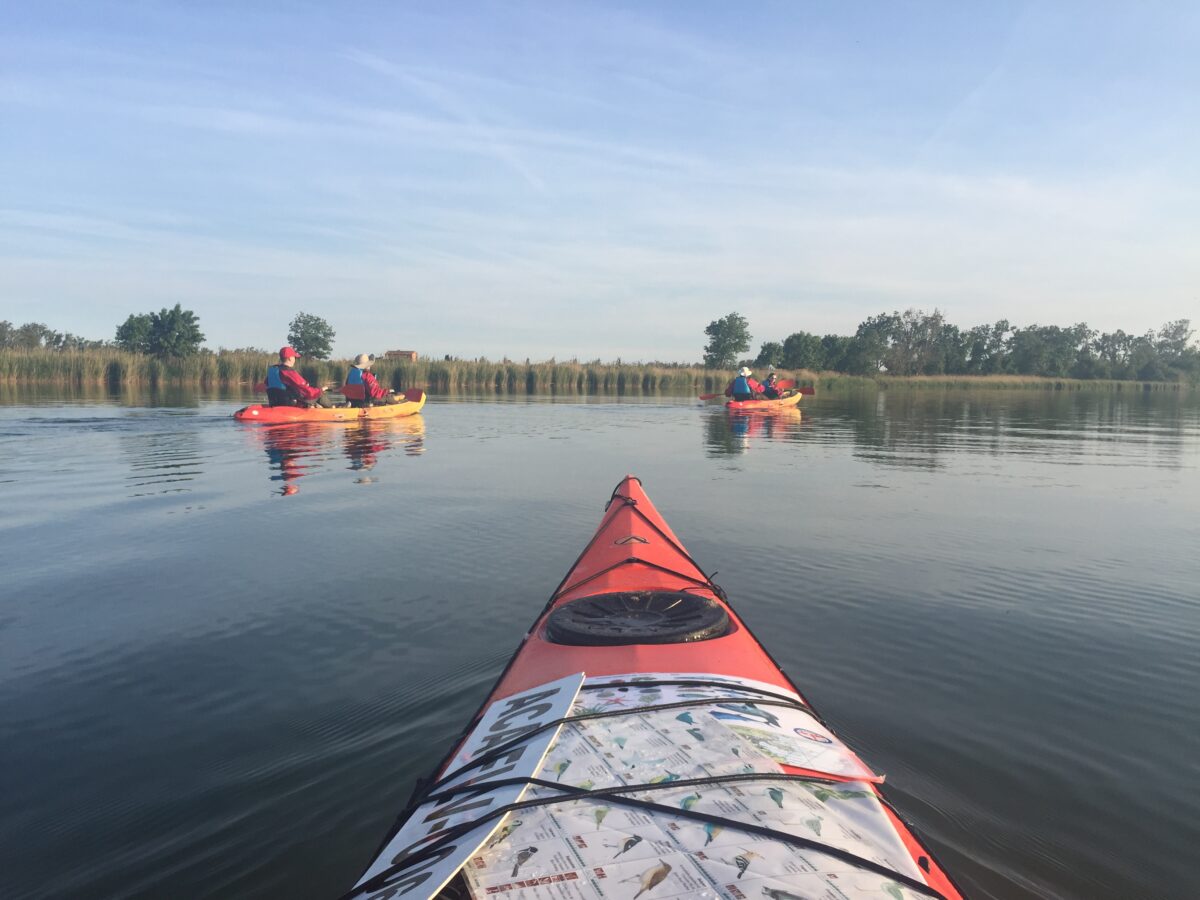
(410, 355)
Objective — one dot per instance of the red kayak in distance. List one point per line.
(641, 743)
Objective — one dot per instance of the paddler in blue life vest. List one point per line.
(287, 387)
(362, 388)
(744, 387)
(770, 387)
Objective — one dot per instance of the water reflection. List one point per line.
(733, 432)
(301, 449)
(919, 430)
(166, 394)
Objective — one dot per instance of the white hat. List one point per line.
(743, 371)
(364, 360)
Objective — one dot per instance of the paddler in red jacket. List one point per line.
(287, 387)
(362, 388)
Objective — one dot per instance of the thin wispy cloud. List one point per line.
(454, 106)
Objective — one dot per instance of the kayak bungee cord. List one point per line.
(615, 796)
(632, 504)
(633, 560)
(439, 791)
(501, 749)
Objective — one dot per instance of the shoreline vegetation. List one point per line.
(239, 370)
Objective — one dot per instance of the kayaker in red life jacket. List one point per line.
(744, 387)
(362, 388)
(287, 387)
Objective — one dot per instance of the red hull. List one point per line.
(277, 415)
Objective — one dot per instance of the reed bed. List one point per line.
(241, 369)
(507, 377)
(116, 368)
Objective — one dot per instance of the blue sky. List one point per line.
(596, 179)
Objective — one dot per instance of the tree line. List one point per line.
(910, 343)
(167, 334)
(918, 343)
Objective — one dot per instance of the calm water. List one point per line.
(226, 651)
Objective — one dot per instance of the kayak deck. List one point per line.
(268, 415)
(642, 743)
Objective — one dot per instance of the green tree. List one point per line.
(915, 343)
(952, 351)
(174, 333)
(727, 338)
(986, 348)
(1048, 350)
(769, 354)
(312, 336)
(1145, 361)
(868, 350)
(167, 334)
(133, 335)
(31, 336)
(803, 350)
(1173, 340)
(834, 349)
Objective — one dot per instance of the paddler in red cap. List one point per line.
(287, 387)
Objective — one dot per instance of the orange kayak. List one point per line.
(272, 415)
(780, 403)
(641, 742)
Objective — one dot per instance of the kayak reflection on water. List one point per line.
(731, 432)
(365, 440)
(301, 449)
(293, 452)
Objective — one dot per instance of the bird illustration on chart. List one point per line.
(509, 828)
(522, 858)
(651, 878)
(743, 861)
(752, 711)
(628, 845)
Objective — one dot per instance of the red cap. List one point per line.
(288, 353)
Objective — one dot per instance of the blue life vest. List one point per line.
(354, 388)
(279, 392)
(741, 387)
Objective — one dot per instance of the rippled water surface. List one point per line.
(227, 651)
